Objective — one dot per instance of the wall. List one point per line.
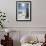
(38, 22)
(38, 14)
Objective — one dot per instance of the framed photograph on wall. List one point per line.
(23, 10)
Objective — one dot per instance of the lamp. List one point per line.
(7, 31)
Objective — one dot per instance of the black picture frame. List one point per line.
(28, 8)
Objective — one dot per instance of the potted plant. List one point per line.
(2, 19)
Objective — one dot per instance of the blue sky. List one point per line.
(21, 6)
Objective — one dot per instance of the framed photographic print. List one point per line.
(23, 10)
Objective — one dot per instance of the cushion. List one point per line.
(27, 38)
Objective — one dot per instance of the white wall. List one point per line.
(38, 13)
(38, 22)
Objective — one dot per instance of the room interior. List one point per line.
(23, 33)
